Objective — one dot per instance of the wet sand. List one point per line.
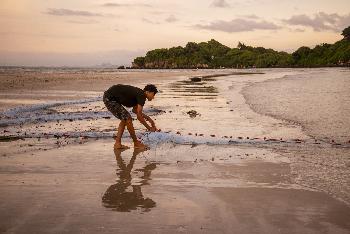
(64, 176)
(93, 188)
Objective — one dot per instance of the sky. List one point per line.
(94, 32)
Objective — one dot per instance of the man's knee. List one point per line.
(128, 121)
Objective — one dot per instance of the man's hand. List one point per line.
(143, 117)
(153, 129)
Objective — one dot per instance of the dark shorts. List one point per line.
(116, 109)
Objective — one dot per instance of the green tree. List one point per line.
(139, 62)
(346, 33)
(213, 54)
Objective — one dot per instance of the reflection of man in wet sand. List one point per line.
(118, 96)
(117, 197)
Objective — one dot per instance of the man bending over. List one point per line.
(118, 96)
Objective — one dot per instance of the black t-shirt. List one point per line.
(126, 95)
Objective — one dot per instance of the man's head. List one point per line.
(150, 91)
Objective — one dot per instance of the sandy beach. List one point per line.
(238, 153)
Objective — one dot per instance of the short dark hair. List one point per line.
(151, 88)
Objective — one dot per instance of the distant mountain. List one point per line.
(213, 54)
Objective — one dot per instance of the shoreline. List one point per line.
(185, 182)
(245, 94)
(251, 100)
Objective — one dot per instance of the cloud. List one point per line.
(320, 21)
(171, 19)
(67, 12)
(220, 3)
(82, 21)
(111, 4)
(250, 16)
(149, 21)
(238, 25)
(297, 30)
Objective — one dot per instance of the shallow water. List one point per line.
(318, 99)
(228, 152)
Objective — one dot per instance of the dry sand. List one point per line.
(21, 87)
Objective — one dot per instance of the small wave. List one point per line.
(18, 110)
(39, 118)
(155, 138)
(41, 113)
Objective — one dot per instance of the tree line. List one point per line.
(213, 54)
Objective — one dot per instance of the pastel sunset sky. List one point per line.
(92, 32)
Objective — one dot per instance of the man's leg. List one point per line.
(118, 139)
(130, 126)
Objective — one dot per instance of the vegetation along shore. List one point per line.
(213, 54)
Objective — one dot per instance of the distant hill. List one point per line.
(213, 54)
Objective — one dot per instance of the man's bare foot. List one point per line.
(118, 145)
(140, 145)
(139, 150)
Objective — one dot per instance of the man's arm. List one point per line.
(143, 117)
